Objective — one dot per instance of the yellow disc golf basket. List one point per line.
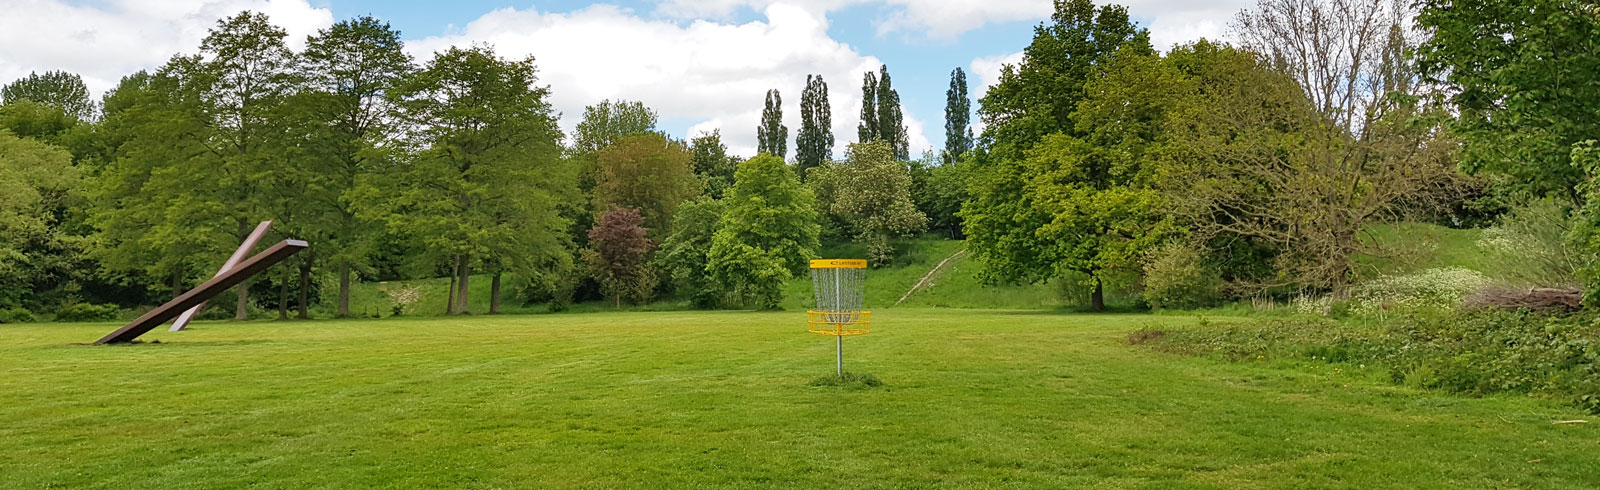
(840, 286)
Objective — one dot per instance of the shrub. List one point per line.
(88, 312)
(1432, 288)
(1538, 238)
(15, 315)
(1474, 353)
(1176, 276)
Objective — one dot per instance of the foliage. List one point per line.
(939, 190)
(1177, 276)
(1477, 353)
(1521, 76)
(869, 193)
(58, 89)
(608, 122)
(685, 252)
(619, 256)
(1536, 239)
(402, 298)
(486, 180)
(15, 315)
(648, 173)
(348, 70)
(38, 187)
(88, 312)
(712, 164)
(768, 232)
(1441, 288)
(957, 119)
(814, 143)
(881, 116)
(772, 136)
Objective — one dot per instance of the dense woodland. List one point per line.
(1216, 171)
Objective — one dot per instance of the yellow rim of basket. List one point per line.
(839, 264)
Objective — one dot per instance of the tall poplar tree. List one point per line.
(867, 131)
(957, 118)
(772, 137)
(814, 143)
(891, 122)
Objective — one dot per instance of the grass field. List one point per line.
(721, 399)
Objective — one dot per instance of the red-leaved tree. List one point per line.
(619, 256)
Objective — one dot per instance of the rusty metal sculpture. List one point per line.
(238, 255)
(227, 279)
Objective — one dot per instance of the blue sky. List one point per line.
(702, 64)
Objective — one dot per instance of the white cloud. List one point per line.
(105, 41)
(713, 73)
(1173, 22)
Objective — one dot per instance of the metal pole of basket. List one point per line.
(838, 297)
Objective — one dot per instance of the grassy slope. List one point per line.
(957, 286)
(1412, 247)
(719, 399)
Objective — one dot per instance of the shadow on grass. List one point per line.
(849, 381)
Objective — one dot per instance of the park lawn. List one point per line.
(721, 399)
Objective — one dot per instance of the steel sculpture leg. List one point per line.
(238, 255)
(230, 278)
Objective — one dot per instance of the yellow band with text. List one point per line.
(838, 264)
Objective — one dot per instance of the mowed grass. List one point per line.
(721, 399)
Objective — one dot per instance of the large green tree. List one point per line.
(867, 129)
(607, 122)
(869, 193)
(685, 253)
(38, 185)
(59, 89)
(484, 185)
(814, 143)
(768, 233)
(891, 119)
(349, 69)
(648, 173)
(1523, 78)
(772, 136)
(1032, 100)
(712, 164)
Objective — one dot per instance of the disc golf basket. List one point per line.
(839, 286)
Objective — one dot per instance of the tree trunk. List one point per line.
(1097, 299)
(455, 272)
(283, 299)
(305, 285)
(494, 294)
(344, 290)
(461, 295)
(177, 282)
(241, 309)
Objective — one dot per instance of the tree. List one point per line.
(767, 235)
(938, 190)
(618, 256)
(38, 184)
(607, 122)
(772, 137)
(870, 194)
(1038, 96)
(486, 179)
(1032, 100)
(349, 69)
(1521, 77)
(867, 131)
(891, 122)
(647, 173)
(685, 253)
(814, 143)
(58, 89)
(712, 164)
(957, 119)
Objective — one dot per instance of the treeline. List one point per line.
(1208, 173)
(393, 169)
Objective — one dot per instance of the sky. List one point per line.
(701, 64)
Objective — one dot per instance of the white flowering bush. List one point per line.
(1432, 288)
(401, 298)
